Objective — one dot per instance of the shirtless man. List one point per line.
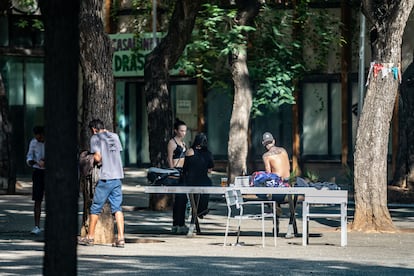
(276, 159)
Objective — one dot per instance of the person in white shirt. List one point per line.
(36, 159)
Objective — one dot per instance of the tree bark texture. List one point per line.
(239, 122)
(404, 173)
(156, 74)
(61, 184)
(297, 34)
(96, 63)
(371, 211)
(105, 226)
(7, 165)
(97, 97)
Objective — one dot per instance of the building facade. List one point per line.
(320, 104)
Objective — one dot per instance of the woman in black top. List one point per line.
(176, 146)
(198, 163)
(176, 150)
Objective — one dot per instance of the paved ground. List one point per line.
(151, 250)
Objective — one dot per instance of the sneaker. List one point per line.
(86, 241)
(36, 231)
(289, 233)
(190, 232)
(182, 230)
(174, 229)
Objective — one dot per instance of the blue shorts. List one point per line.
(107, 189)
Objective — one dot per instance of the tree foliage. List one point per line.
(28, 7)
(273, 62)
(276, 56)
(216, 36)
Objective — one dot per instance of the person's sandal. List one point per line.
(86, 241)
(119, 243)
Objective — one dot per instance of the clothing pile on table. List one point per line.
(265, 179)
(300, 182)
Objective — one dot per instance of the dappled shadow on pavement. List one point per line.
(152, 250)
(27, 260)
(21, 257)
(201, 265)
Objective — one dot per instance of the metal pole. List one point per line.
(154, 24)
(361, 75)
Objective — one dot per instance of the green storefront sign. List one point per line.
(129, 54)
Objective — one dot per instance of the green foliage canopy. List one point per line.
(276, 57)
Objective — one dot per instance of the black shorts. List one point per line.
(38, 188)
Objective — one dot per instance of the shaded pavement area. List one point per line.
(151, 250)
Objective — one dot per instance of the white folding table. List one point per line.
(311, 196)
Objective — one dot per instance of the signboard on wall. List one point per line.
(129, 54)
(183, 106)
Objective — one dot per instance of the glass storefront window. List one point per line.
(12, 72)
(23, 79)
(132, 122)
(336, 119)
(218, 117)
(322, 127)
(34, 83)
(185, 108)
(315, 119)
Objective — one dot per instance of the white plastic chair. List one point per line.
(234, 200)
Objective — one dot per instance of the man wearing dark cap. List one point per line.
(275, 159)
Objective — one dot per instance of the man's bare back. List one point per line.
(276, 161)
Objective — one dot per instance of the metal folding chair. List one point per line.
(234, 200)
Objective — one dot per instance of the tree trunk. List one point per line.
(7, 168)
(371, 212)
(404, 173)
(97, 97)
(157, 65)
(242, 102)
(297, 35)
(157, 86)
(61, 87)
(105, 222)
